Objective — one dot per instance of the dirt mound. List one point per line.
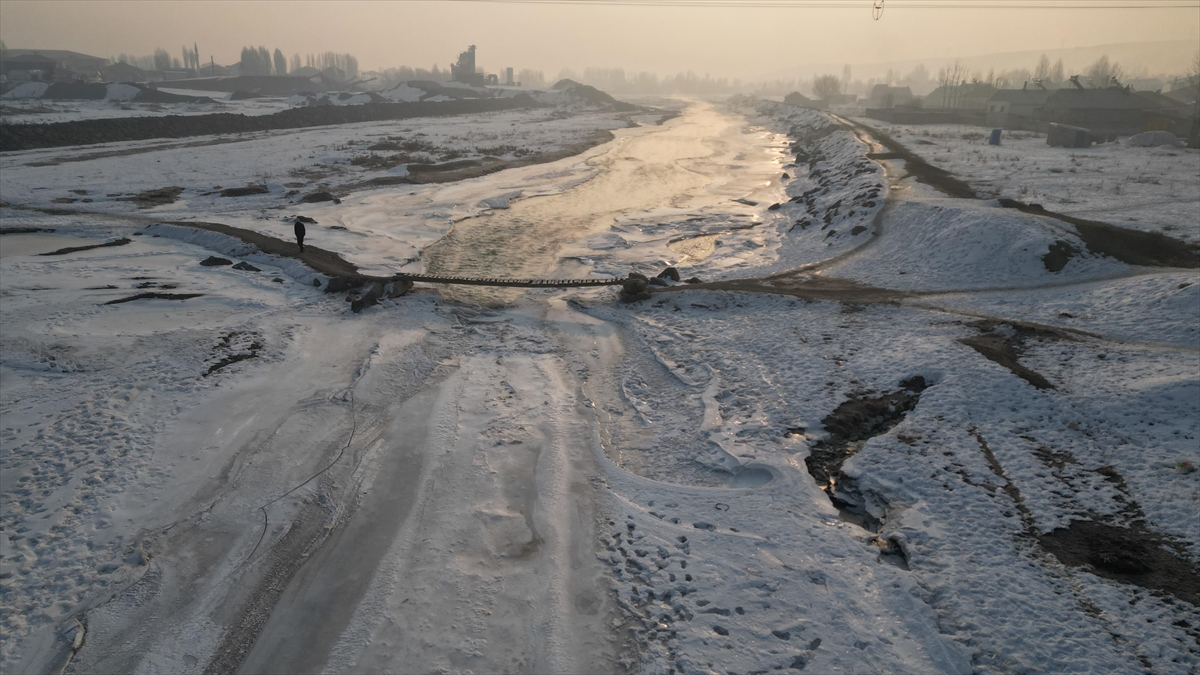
(591, 95)
(1153, 139)
(75, 91)
(267, 85)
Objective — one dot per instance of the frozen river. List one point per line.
(251, 478)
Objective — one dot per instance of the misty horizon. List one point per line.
(553, 38)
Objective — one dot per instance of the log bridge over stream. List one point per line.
(633, 288)
(518, 283)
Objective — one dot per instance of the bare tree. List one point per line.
(1194, 81)
(162, 60)
(1042, 72)
(1058, 72)
(846, 78)
(280, 62)
(826, 87)
(295, 63)
(531, 78)
(1102, 73)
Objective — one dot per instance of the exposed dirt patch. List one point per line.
(1151, 249)
(88, 156)
(156, 197)
(1131, 555)
(155, 296)
(82, 132)
(25, 230)
(325, 262)
(232, 348)
(1060, 253)
(1009, 487)
(854, 422)
(75, 249)
(1004, 343)
(923, 171)
(244, 191)
(315, 197)
(806, 286)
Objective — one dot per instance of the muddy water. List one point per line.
(689, 163)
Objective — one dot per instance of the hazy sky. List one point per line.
(727, 41)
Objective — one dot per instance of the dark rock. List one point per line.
(397, 288)
(635, 288)
(658, 281)
(303, 219)
(669, 273)
(785, 176)
(243, 191)
(152, 198)
(214, 261)
(278, 280)
(371, 296)
(339, 284)
(857, 230)
(316, 283)
(247, 267)
(693, 280)
(773, 207)
(317, 197)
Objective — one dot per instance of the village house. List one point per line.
(69, 65)
(885, 96)
(798, 99)
(124, 72)
(964, 96)
(25, 67)
(1106, 112)
(1015, 108)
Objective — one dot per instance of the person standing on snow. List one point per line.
(300, 234)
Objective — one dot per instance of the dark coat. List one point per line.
(299, 229)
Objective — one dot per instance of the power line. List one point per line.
(863, 4)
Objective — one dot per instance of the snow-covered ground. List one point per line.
(371, 225)
(563, 483)
(40, 111)
(1144, 188)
